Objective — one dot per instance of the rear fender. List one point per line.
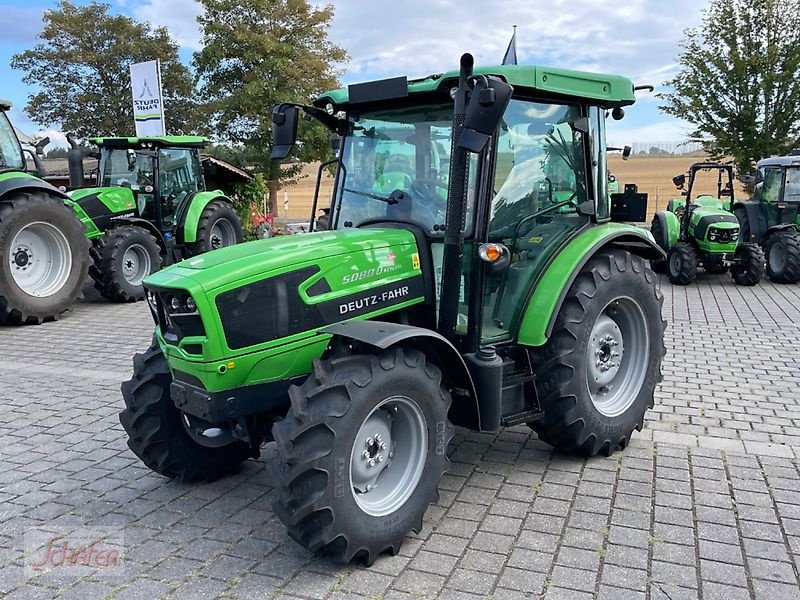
(191, 211)
(757, 221)
(25, 182)
(464, 411)
(548, 296)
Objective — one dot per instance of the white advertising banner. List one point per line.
(148, 102)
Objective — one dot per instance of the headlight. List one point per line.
(180, 304)
(712, 235)
(735, 235)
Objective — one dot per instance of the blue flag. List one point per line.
(510, 57)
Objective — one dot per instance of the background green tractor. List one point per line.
(772, 219)
(151, 208)
(43, 251)
(511, 299)
(701, 232)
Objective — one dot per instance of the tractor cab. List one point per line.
(530, 188)
(162, 173)
(11, 157)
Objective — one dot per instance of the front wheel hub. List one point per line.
(388, 456)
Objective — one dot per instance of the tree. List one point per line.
(739, 83)
(82, 67)
(256, 55)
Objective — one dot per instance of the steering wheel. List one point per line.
(423, 191)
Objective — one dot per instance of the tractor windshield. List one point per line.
(396, 166)
(10, 152)
(792, 187)
(126, 167)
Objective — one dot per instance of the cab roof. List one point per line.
(602, 89)
(779, 161)
(182, 141)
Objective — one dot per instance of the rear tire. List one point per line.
(744, 225)
(613, 307)
(157, 433)
(748, 268)
(783, 257)
(219, 227)
(659, 265)
(682, 264)
(321, 473)
(45, 261)
(123, 257)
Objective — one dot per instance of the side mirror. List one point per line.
(679, 181)
(40, 145)
(336, 144)
(488, 102)
(626, 152)
(284, 130)
(581, 125)
(748, 179)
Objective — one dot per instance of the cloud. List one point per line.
(178, 16)
(20, 25)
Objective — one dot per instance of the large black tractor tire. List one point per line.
(219, 226)
(159, 433)
(122, 258)
(598, 371)
(658, 265)
(744, 225)
(45, 258)
(748, 267)
(361, 453)
(682, 264)
(783, 257)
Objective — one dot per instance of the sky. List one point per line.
(385, 38)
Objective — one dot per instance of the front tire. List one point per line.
(334, 493)
(682, 264)
(123, 257)
(45, 260)
(748, 267)
(219, 227)
(783, 257)
(598, 371)
(159, 433)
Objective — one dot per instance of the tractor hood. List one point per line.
(361, 250)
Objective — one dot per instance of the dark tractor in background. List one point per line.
(772, 219)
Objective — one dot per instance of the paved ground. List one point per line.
(704, 504)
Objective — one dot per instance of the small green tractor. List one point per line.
(44, 254)
(151, 208)
(772, 219)
(487, 286)
(701, 232)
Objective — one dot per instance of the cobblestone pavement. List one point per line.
(703, 504)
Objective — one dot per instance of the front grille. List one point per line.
(723, 235)
(177, 325)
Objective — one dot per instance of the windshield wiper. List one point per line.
(390, 200)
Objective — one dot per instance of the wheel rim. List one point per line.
(617, 356)
(675, 264)
(388, 456)
(777, 258)
(222, 234)
(136, 264)
(40, 259)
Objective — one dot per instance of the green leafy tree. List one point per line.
(81, 65)
(256, 55)
(739, 83)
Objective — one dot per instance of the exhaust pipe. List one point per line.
(456, 209)
(75, 163)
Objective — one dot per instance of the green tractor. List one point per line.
(513, 298)
(772, 219)
(151, 209)
(701, 232)
(43, 251)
